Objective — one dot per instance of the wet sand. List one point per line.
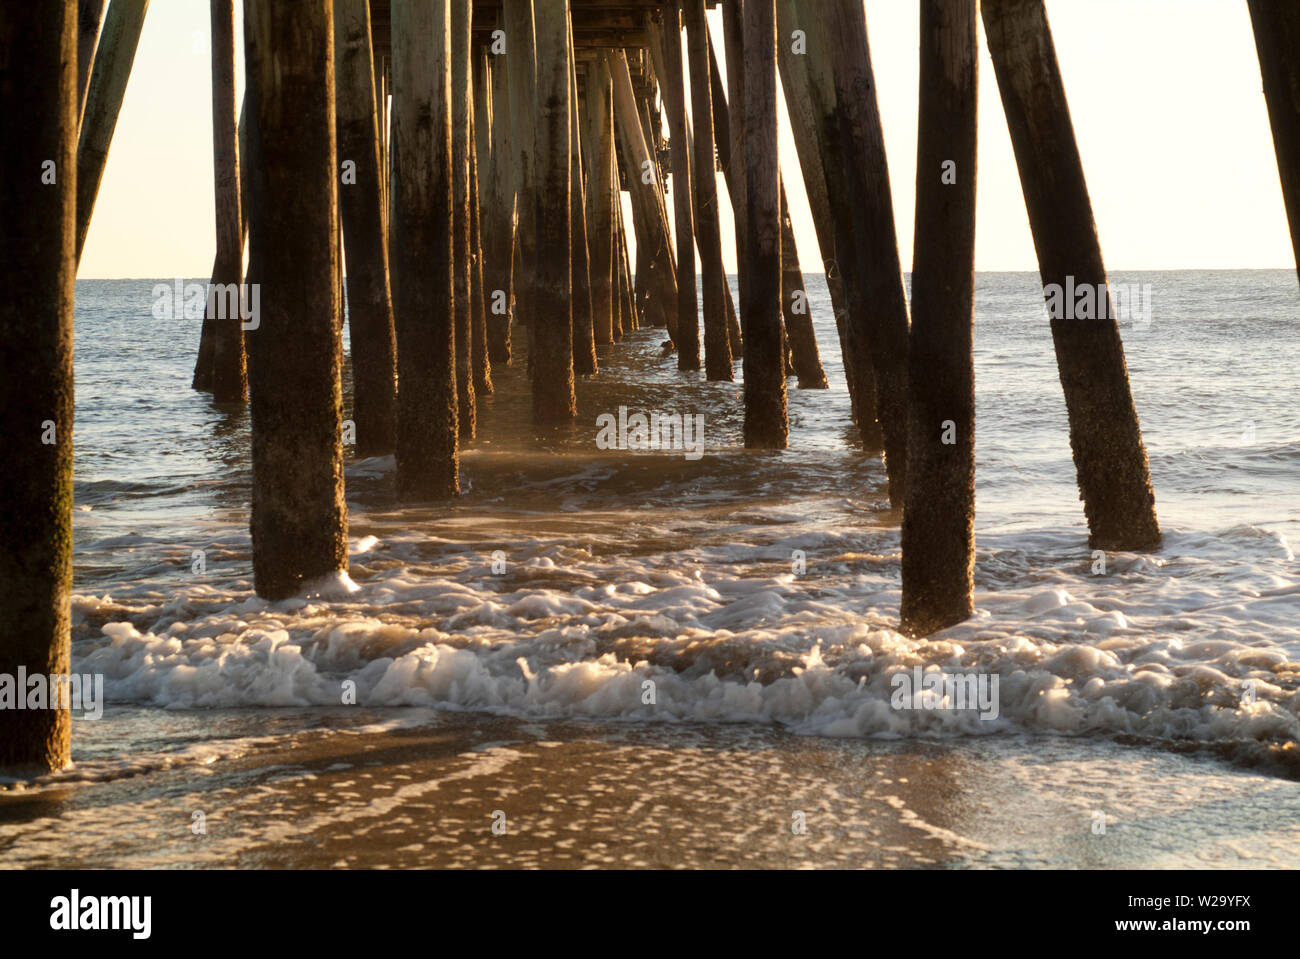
(414, 788)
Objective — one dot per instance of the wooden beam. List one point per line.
(584, 338)
(851, 141)
(1109, 456)
(499, 197)
(361, 205)
(521, 60)
(38, 100)
(295, 356)
(551, 346)
(651, 222)
(480, 142)
(708, 232)
(601, 196)
(113, 59)
(799, 106)
(667, 41)
(1276, 24)
(938, 534)
(423, 277)
(462, 104)
(767, 424)
(89, 15)
(225, 292)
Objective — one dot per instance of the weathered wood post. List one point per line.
(601, 197)
(229, 375)
(794, 81)
(1109, 456)
(551, 361)
(939, 520)
(669, 36)
(370, 303)
(385, 160)
(38, 100)
(1276, 24)
(108, 78)
(299, 517)
(423, 282)
(735, 183)
(462, 97)
(664, 261)
(89, 15)
(203, 364)
(799, 341)
(521, 65)
(708, 232)
(499, 229)
(767, 425)
(654, 245)
(481, 361)
(584, 334)
(796, 310)
(852, 145)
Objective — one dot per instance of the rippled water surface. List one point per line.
(622, 568)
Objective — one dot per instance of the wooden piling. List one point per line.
(857, 368)
(423, 278)
(521, 64)
(480, 360)
(1276, 24)
(299, 517)
(89, 15)
(735, 184)
(649, 215)
(708, 235)
(799, 340)
(108, 78)
(601, 196)
(361, 123)
(499, 228)
(767, 425)
(462, 93)
(584, 338)
(664, 261)
(229, 374)
(361, 205)
(669, 40)
(938, 536)
(851, 141)
(805, 360)
(1109, 456)
(551, 359)
(38, 100)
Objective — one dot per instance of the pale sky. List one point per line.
(1165, 97)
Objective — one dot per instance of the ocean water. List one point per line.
(614, 569)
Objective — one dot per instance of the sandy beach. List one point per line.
(415, 789)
